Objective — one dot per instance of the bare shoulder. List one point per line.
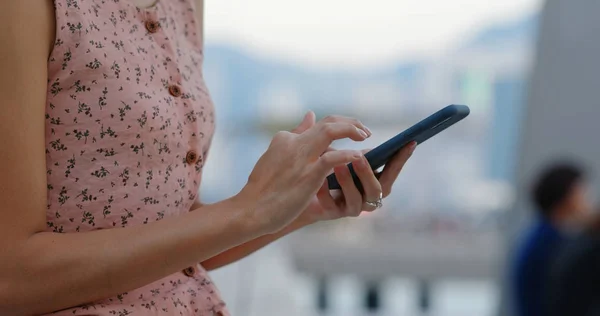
(26, 38)
(22, 17)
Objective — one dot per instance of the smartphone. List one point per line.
(419, 133)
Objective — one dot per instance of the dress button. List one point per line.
(189, 271)
(191, 157)
(152, 26)
(175, 91)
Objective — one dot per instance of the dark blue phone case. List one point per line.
(419, 132)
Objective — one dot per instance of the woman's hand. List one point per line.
(349, 202)
(294, 167)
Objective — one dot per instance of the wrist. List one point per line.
(297, 224)
(252, 213)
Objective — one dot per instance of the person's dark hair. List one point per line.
(553, 185)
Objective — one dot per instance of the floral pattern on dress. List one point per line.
(129, 122)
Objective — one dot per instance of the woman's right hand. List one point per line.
(294, 167)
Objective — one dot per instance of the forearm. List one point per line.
(52, 271)
(246, 249)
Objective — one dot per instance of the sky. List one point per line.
(353, 33)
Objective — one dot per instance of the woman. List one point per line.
(106, 124)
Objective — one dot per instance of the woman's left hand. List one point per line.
(349, 202)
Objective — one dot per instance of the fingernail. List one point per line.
(357, 155)
(368, 131)
(362, 133)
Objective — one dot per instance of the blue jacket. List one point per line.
(532, 266)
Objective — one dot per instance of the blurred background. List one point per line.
(439, 245)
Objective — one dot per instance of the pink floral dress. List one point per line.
(129, 123)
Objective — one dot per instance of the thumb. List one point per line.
(307, 122)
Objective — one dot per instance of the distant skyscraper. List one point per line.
(504, 128)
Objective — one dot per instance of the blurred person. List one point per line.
(559, 196)
(106, 125)
(574, 281)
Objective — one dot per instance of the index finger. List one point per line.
(320, 137)
(345, 119)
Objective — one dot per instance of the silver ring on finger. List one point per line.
(376, 204)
